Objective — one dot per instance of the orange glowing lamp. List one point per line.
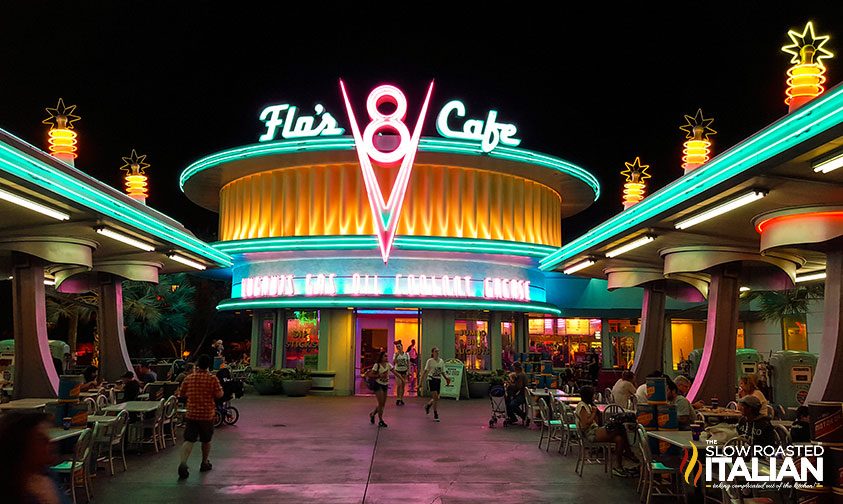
(636, 186)
(135, 178)
(697, 144)
(62, 138)
(805, 78)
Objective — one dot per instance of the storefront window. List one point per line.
(507, 344)
(302, 345)
(623, 336)
(471, 339)
(565, 341)
(266, 352)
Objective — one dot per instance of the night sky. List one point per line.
(595, 88)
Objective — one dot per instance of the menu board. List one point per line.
(455, 370)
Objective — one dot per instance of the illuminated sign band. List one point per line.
(301, 127)
(489, 132)
(400, 285)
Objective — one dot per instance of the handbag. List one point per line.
(371, 377)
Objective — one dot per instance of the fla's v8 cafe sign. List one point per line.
(386, 108)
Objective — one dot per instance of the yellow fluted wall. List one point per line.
(440, 201)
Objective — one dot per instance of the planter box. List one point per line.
(477, 390)
(267, 387)
(297, 388)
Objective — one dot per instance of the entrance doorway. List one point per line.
(377, 331)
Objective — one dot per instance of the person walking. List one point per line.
(25, 456)
(201, 389)
(401, 362)
(434, 371)
(379, 374)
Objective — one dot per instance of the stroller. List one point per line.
(497, 396)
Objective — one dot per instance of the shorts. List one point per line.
(434, 384)
(380, 386)
(402, 373)
(591, 433)
(201, 429)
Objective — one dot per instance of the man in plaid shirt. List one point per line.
(201, 389)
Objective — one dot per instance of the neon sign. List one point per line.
(489, 132)
(386, 213)
(399, 285)
(301, 127)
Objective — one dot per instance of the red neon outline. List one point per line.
(760, 226)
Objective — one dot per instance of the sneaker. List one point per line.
(382, 424)
(402, 402)
(427, 409)
(183, 472)
(435, 416)
(205, 467)
(372, 418)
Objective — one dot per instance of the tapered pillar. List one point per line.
(35, 374)
(650, 351)
(828, 378)
(114, 356)
(716, 374)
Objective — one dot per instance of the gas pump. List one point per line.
(694, 359)
(791, 374)
(746, 362)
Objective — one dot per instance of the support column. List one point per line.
(495, 344)
(338, 330)
(716, 374)
(114, 356)
(648, 355)
(828, 378)
(35, 375)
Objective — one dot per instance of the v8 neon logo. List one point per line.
(385, 214)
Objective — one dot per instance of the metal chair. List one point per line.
(91, 404)
(76, 469)
(769, 410)
(732, 405)
(781, 412)
(550, 424)
(612, 409)
(603, 448)
(102, 402)
(610, 399)
(569, 427)
(168, 421)
(653, 474)
(633, 403)
(117, 435)
(533, 414)
(782, 435)
(154, 426)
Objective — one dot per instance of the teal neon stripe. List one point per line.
(46, 177)
(812, 119)
(425, 145)
(385, 302)
(370, 242)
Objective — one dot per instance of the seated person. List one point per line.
(91, 379)
(684, 411)
(753, 425)
(131, 387)
(188, 368)
(746, 387)
(147, 375)
(800, 431)
(641, 391)
(623, 389)
(515, 400)
(684, 385)
(588, 419)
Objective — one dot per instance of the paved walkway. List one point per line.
(323, 450)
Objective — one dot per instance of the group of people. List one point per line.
(377, 378)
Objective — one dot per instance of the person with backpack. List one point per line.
(378, 377)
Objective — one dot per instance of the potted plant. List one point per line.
(297, 382)
(267, 381)
(478, 384)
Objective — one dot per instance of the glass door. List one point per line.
(376, 332)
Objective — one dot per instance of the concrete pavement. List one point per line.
(324, 450)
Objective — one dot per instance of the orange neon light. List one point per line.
(806, 77)
(62, 138)
(697, 146)
(135, 179)
(774, 220)
(635, 187)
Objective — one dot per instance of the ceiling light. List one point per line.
(114, 235)
(745, 289)
(186, 261)
(728, 206)
(811, 276)
(829, 164)
(579, 266)
(630, 246)
(38, 207)
(49, 281)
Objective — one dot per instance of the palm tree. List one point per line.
(162, 311)
(791, 304)
(76, 308)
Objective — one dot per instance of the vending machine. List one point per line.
(792, 373)
(746, 362)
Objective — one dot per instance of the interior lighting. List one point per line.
(37, 207)
(697, 146)
(811, 276)
(728, 206)
(62, 138)
(135, 178)
(806, 76)
(114, 235)
(49, 281)
(577, 267)
(186, 261)
(745, 289)
(829, 164)
(630, 246)
(635, 186)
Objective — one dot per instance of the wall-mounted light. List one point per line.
(745, 289)
(829, 163)
(578, 266)
(728, 206)
(810, 277)
(630, 246)
(187, 262)
(128, 240)
(32, 205)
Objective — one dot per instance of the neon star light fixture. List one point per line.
(385, 214)
(635, 186)
(806, 76)
(135, 178)
(697, 146)
(62, 138)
